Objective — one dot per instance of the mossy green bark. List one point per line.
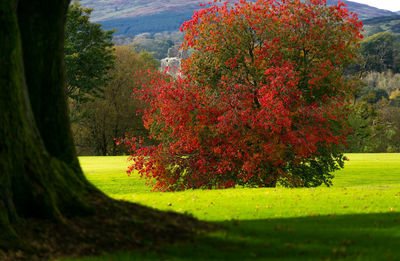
(39, 172)
(41, 26)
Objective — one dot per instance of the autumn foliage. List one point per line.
(261, 100)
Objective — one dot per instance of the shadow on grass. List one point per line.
(345, 237)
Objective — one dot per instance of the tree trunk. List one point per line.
(41, 26)
(39, 172)
(42, 188)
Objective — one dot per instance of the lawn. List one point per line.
(358, 218)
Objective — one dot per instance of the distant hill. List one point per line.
(133, 17)
(118, 9)
(382, 24)
(156, 23)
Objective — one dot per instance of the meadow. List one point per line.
(358, 218)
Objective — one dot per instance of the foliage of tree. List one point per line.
(176, 37)
(159, 48)
(375, 95)
(363, 121)
(391, 116)
(386, 80)
(395, 98)
(381, 52)
(88, 55)
(261, 100)
(374, 115)
(376, 127)
(103, 120)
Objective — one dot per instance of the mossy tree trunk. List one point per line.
(41, 26)
(40, 175)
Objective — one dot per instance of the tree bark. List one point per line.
(41, 182)
(40, 175)
(41, 26)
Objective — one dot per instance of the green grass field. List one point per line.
(356, 219)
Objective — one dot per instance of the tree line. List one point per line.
(375, 112)
(100, 82)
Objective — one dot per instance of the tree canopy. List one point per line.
(104, 119)
(381, 52)
(375, 109)
(88, 54)
(261, 101)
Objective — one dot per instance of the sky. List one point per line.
(391, 5)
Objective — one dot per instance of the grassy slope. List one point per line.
(356, 219)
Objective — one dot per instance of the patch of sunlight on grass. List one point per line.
(358, 218)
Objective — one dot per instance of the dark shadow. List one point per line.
(345, 237)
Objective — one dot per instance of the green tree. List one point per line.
(362, 119)
(390, 115)
(375, 95)
(375, 125)
(159, 48)
(117, 113)
(381, 52)
(386, 80)
(88, 55)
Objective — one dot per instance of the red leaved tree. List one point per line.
(262, 98)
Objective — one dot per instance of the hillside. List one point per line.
(117, 9)
(382, 24)
(155, 23)
(133, 17)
